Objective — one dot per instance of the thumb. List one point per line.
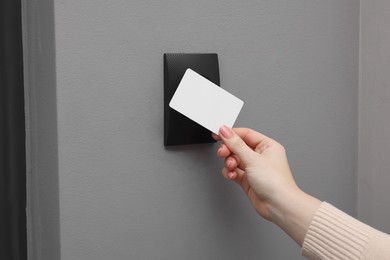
(236, 144)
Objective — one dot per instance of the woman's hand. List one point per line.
(259, 165)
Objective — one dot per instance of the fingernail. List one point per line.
(225, 131)
(229, 163)
(231, 175)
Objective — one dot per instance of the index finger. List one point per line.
(215, 137)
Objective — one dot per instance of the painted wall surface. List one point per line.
(374, 120)
(122, 195)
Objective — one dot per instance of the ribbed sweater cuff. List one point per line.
(332, 234)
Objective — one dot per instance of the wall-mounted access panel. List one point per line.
(179, 129)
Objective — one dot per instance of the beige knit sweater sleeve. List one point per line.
(335, 235)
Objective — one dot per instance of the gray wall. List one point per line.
(121, 194)
(374, 119)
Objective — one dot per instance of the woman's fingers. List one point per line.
(215, 137)
(231, 163)
(223, 151)
(237, 176)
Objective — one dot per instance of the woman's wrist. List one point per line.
(293, 212)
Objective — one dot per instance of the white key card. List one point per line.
(205, 103)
